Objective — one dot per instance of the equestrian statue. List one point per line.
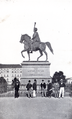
(34, 44)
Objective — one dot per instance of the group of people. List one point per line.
(55, 89)
(47, 90)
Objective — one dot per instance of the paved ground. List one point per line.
(35, 108)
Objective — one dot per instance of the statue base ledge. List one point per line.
(35, 62)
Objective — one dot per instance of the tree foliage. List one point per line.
(3, 85)
(58, 76)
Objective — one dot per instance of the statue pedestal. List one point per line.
(39, 70)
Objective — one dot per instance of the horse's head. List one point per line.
(25, 37)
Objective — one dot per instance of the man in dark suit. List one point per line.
(17, 85)
(34, 88)
(43, 89)
(49, 88)
(29, 86)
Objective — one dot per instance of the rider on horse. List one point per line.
(35, 38)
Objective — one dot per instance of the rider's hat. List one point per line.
(35, 29)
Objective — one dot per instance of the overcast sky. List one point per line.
(54, 23)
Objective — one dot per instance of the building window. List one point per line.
(17, 75)
(7, 71)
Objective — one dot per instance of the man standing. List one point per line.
(17, 85)
(29, 86)
(35, 38)
(34, 88)
(49, 88)
(62, 85)
(43, 89)
(56, 88)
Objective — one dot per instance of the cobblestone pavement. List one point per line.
(35, 108)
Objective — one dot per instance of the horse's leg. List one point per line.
(28, 55)
(40, 54)
(22, 53)
(46, 55)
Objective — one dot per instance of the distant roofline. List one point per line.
(10, 66)
(69, 78)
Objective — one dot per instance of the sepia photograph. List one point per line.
(35, 59)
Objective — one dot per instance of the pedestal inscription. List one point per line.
(35, 70)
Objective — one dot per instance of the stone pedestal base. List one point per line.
(35, 70)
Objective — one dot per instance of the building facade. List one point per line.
(10, 71)
(69, 80)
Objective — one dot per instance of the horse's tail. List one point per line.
(49, 46)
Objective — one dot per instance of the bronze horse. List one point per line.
(26, 40)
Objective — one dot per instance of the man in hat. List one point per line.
(62, 85)
(34, 88)
(29, 86)
(17, 85)
(49, 89)
(43, 89)
(35, 38)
